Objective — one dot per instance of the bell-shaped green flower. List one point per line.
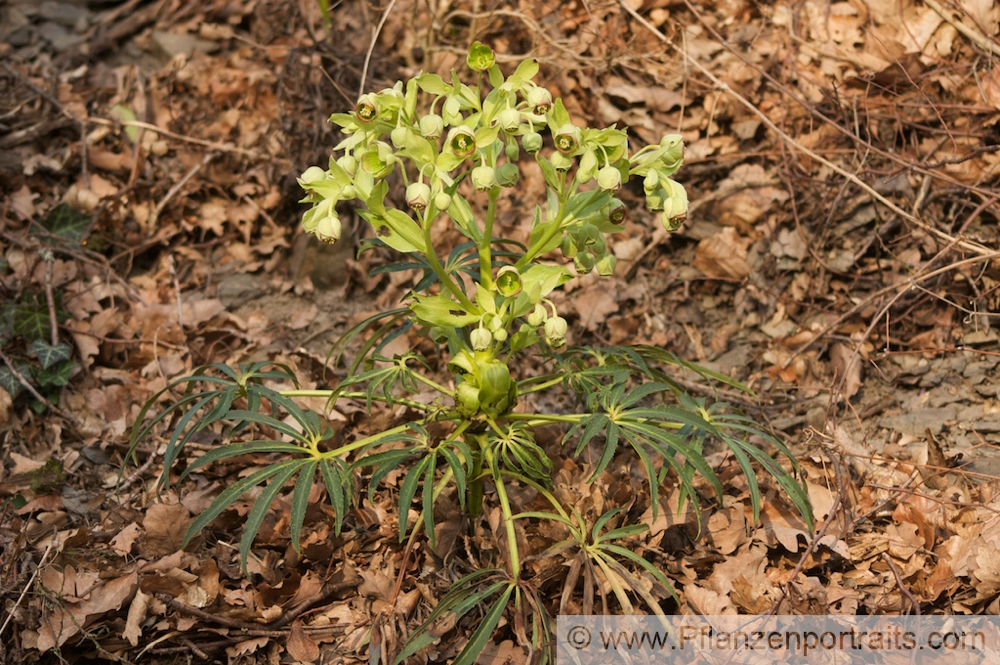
(508, 175)
(329, 228)
(509, 120)
(431, 126)
(508, 281)
(676, 207)
(311, 175)
(555, 331)
(537, 316)
(584, 262)
(442, 200)
(481, 57)
(484, 177)
(609, 179)
(606, 265)
(366, 108)
(532, 142)
(539, 100)
(481, 339)
(462, 141)
(568, 138)
(616, 212)
(418, 195)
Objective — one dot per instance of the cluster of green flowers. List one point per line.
(465, 136)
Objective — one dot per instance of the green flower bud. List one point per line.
(584, 263)
(539, 100)
(462, 141)
(537, 316)
(483, 178)
(442, 200)
(588, 167)
(532, 142)
(606, 265)
(509, 120)
(508, 175)
(329, 229)
(366, 108)
(452, 111)
(655, 201)
(431, 126)
(500, 336)
(651, 182)
(616, 212)
(418, 195)
(569, 247)
(349, 164)
(311, 175)
(673, 144)
(561, 162)
(481, 339)
(512, 151)
(568, 138)
(609, 179)
(480, 57)
(398, 136)
(555, 331)
(348, 192)
(508, 281)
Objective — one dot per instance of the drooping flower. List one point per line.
(609, 179)
(418, 195)
(431, 126)
(484, 177)
(366, 108)
(329, 228)
(462, 141)
(568, 138)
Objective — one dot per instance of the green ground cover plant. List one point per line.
(452, 148)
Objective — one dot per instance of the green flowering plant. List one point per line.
(486, 310)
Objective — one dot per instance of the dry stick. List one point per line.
(724, 87)
(49, 298)
(899, 583)
(153, 218)
(371, 48)
(214, 145)
(24, 591)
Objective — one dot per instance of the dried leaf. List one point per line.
(300, 646)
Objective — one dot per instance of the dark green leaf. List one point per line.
(47, 354)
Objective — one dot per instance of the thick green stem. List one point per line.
(485, 251)
(508, 516)
(474, 490)
(416, 406)
(439, 270)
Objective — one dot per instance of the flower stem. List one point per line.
(485, 254)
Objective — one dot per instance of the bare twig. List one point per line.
(902, 587)
(153, 218)
(214, 145)
(49, 298)
(982, 41)
(371, 48)
(24, 591)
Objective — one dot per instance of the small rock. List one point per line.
(916, 423)
(182, 43)
(59, 37)
(980, 337)
(70, 16)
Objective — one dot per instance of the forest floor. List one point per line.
(840, 258)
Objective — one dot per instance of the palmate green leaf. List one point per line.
(283, 472)
(339, 483)
(11, 383)
(392, 317)
(461, 597)
(242, 448)
(267, 421)
(57, 375)
(31, 321)
(458, 469)
(300, 500)
(67, 223)
(409, 488)
(385, 462)
(484, 631)
(228, 496)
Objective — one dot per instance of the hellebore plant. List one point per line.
(486, 311)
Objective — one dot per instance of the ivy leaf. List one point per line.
(9, 382)
(47, 354)
(69, 224)
(31, 322)
(57, 375)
